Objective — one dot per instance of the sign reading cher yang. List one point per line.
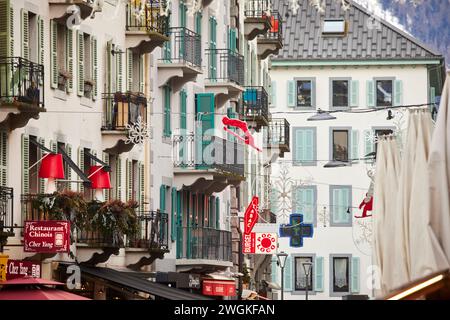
(20, 269)
(47, 236)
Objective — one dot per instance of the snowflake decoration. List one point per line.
(371, 137)
(138, 132)
(281, 195)
(294, 6)
(194, 7)
(364, 235)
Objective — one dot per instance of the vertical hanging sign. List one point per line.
(250, 219)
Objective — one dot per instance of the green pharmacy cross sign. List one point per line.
(296, 230)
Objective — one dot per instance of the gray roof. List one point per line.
(303, 39)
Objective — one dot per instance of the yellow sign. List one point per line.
(3, 266)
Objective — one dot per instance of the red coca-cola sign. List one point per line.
(47, 236)
(21, 269)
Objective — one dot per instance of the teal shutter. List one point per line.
(119, 70)
(274, 267)
(273, 94)
(162, 198)
(179, 224)
(173, 213)
(167, 127)
(368, 144)
(288, 274)
(291, 93)
(304, 146)
(308, 205)
(198, 23)
(212, 46)
(204, 111)
(309, 145)
(25, 164)
(398, 92)
(232, 38)
(355, 145)
(3, 158)
(313, 93)
(80, 59)
(54, 54)
(218, 213)
(370, 87)
(299, 147)
(183, 111)
(340, 205)
(355, 275)
(319, 272)
(354, 93)
(433, 95)
(25, 27)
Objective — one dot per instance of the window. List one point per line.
(304, 146)
(340, 93)
(304, 202)
(341, 206)
(304, 93)
(167, 131)
(340, 269)
(340, 140)
(334, 27)
(301, 280)
(383, 93)
(382, 132)
(134, 180)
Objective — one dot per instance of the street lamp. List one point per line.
(307, 266)
(282, 256)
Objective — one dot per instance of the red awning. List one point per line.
(30, 281)
(38, 294)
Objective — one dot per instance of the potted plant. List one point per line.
(88, 87)
(63, 76)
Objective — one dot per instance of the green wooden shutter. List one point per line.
(309, 145)
(106, 192)
(398, 92)
(204, 104)
(273, 94)
(183, 111)
(81, 166)
(41, 44)
(162, 198)
(291, 93)
(299, 146)
(3, 158)
(54, 54)
(355, 145)
(319, 272)
(69, 60)
(10, 28)
(69, 169)
(25, 27)
(432, 95)
(212, 46)
(354, 94)
(80, 59)
(370, 87)
(141, 185)
(40, 155)
(119, 73)
(232, 38)
(94, 51)
(6, 28)
(217, 213)
(167, 132)
(274, 269)
(141, 74)
(355, 275)
(368, 144)
(173, 213)
(198, 23)
(288, 273)
(118, 178)
(129, 70)
(336, 205)
(25, 164)
(308, 205)
(129, 179)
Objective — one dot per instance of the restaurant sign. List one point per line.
(220, 288)
(21, 269)
(47, 236)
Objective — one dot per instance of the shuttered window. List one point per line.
(341, 206)
(106, 159)
(25, 39)
(173, 215)
(304, 202)
(94, 51)
(355, 270)
(370, 93)
(129, 179)
(118, 178)
(6, 29)
(141, 186)
(213, 46)
(80, 62)
(167, 131)
(3, 159)
(41, 40)
(301, 280)
(25, 164)
(183, 111)
(304, 142)
(288, 274)
(319, 272)
(355, 146)
(273, 94)
(81, 166)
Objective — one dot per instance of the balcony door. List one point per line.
(204, 125)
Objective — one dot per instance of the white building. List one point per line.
(339, 60)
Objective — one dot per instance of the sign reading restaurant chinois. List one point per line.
(47, 236)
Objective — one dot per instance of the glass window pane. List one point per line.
(300, 276)
(384, 93)
(340, 145)
(340, 93)
(334, 26)
(340, 274)
(304, 93)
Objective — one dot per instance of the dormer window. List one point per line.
(334, 27)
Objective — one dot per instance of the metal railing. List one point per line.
(278, 133)
(206, 152)
(257, 8)
(206, 243)
(6, 209)
(255, 103)
(147, 16)
(184, 47)
(225, 65)
(21, 81)
(275, 32)
(31, 210)
(122, 109)
(153, 231)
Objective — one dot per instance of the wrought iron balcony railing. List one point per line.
(147, 16)
(153, 231)
(275, 33)
(21, 81)
(6, 210)
(257, 8)
(184, 47)
(255, 103)
(278, 133)
(225, 65)
(194, 151)
(122, 109)
(205, 243)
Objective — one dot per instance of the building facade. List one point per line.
(339, 61)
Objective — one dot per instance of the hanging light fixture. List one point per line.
(99, 178)
(52, 167)
(336, 164)
(321, 115)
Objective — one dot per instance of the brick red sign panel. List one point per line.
(220, 288)
(251, 215)
(20, 269)
(248, 243)
(47, 236)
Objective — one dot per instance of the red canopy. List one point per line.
(30, 281)
(39, 294)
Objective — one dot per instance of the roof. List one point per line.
(303, 40)
(142, 285)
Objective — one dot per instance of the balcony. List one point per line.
(272, 41)
(225, 75)
(207, 164)
(21, 92)
(277, 136)
(204, 247)
(255, 107)
(6, 215)
(257, 19)
(61, 10)
(146, 27)
(121, 110)
(181, 59)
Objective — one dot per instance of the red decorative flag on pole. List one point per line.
(251, 215)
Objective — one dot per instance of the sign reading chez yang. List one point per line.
(47, 236)
(20, 269)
